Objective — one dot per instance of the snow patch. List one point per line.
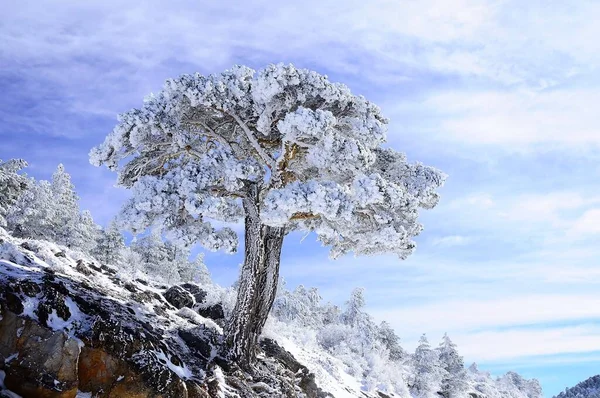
(181, 371)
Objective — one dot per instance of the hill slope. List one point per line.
(589, 388)
(70, 326)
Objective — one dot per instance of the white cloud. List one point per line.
(452, 240)
(587, 224)
(516, 120)
(477, 200)
(513, 344)
(490, 329)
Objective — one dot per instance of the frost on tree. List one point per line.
(50, 211)
(280, 149)
(12, 185)
(454, 381)
(428, 373)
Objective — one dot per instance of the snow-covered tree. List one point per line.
(32, 216)
(454, 382)
(162, 259)
(67, 214)
(514, 383)
(355, 307)
(109, 245)
(195, 271)
(50, 211)
(201, 274)
(281, 149)
(85, 232)
(428, 373)
(12, 185)
(390, 341)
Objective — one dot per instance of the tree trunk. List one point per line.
(257, 286)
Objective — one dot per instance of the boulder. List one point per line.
(214, 312)
(178, 297)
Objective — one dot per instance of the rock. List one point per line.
(197, 341)
(84, 269)
(179, 297)
(196, 291)
(13, 302)
(306, 380)
(214, 312)
(274, 350)
(46, 365)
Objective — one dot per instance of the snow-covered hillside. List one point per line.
(589, 388)
(167, 339)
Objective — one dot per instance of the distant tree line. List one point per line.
(49, 210)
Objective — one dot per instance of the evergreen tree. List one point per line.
(50, 211)
(390, 341)
(354, 307)
(454, 382)
(281, 149)
(12, 185)
(427, 371)
(33, 214)
(201, 274)
(109, 245)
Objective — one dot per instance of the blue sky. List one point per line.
(499, 94)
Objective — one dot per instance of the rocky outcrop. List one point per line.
(69, 325)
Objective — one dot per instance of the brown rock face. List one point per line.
(97, 370)
(39, 362)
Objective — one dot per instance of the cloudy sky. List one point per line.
(499, 94)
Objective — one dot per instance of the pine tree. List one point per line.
(66, 202)
(281, 149)
(427, 371)
(33, 214)
(390, 341)
(355, 307)
(109, 245)
(200, 275)
(12, 185)
(454, 382)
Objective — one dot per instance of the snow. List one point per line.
(181, 371)
(192, 315)
(11, 357)
(57, 323)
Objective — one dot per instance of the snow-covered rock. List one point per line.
(70, 326)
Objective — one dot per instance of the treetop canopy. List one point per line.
(311, 148)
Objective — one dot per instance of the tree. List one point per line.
(390, 341)
(66, 221)
(109, 245)
(50, 211)
(281, 149)
(12, 185)
(201, 274)
(454, 383)
(32, 215)
(427, 374)
(193, 271)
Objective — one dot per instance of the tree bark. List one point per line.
(258, 283)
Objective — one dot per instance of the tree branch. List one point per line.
(301, 216)
(261, 152)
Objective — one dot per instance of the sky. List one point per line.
(501, 95)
